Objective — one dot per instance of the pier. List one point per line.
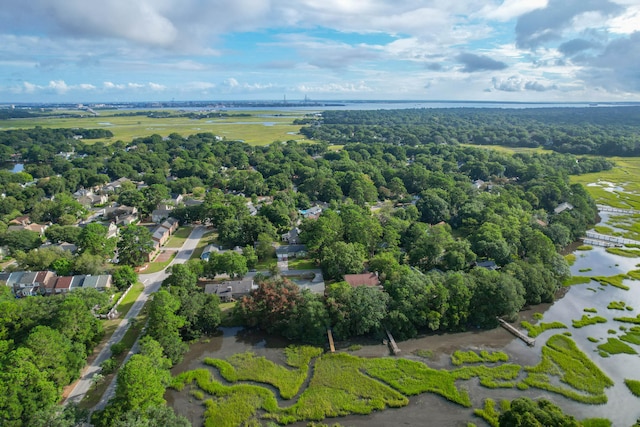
(603, 208)
(529, 341)
(331, 345)
(612, 239)
(392, 343)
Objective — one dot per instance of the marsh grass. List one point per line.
(634, 386)
(596, 422)
(612, 280)
(563, 359)
(249, 367)
(592, 339)
(635, 320)
(535, 330)
(616, 305)
(584, 248)
(489, 412)
(538, 316)
(615, 346)
(584, 270)
(632, 337)
(411, 378)
(460, 357)
(502, 376)
(576, 280)
(590, 310)
(571, 259)
(627, 253)
(587, 320)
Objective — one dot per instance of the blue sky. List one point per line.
(138, 50)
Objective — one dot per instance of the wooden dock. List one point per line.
(392, 343)
(331, 345)
(527, 340)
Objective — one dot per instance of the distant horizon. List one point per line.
(549, 51)
(302, 102)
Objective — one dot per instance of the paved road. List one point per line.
(151, 283)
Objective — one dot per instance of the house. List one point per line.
(77, 282)
(489, 265)
(112, 230)
(126, 219)
(161, 212)
(161, 235)
(36, 228)
(208, 250)
(170, 224)
(63, 284)
(292, 237)
(313, 212)
(88, 198)
(117, 211)
(364, 279)
(100, 282)
(253, 211)
(231, 289)
(563, 207)
(114, 186)
(21, 220)
(286, 252)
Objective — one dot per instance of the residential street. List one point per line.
(152, 283)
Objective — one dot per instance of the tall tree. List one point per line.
(134, 246)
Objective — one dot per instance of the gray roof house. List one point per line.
(231, 289)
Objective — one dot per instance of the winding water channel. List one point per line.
(432, 410)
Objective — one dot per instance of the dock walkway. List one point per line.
(392, 343)
(527, 340)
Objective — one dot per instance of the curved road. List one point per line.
(151, 283)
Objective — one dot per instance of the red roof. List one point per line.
(364, 279)
(64, 282)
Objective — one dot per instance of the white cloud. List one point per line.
(510, 9)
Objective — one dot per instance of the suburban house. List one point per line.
(364, 279)
(231, 289)
(313, 212)
(27, 283)
(489, 265)
(208, 250)
(88, 198)
(63, 284)
(286, 252)
(30, 283)
(112, 230)
(100, 282)
(114, 186)
(23, 223)
(563, 207)
(163, 231)
(161, 212)
(119, 212)
(292, 236)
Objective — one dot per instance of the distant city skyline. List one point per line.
(162, 50)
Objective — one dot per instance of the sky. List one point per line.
(163, 50)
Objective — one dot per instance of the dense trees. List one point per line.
(605, 131)
(134, 245)
(43, 345)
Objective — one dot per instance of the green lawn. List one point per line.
(130, 298)
(179, 237)
(302, 264)
(264, 265)
(154, 267)
(207, 238)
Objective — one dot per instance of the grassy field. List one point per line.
(615, 346)
(461, 357)
(302, 264)
(179, 237)
(255, 130)
(618, 187)
(129, 299)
